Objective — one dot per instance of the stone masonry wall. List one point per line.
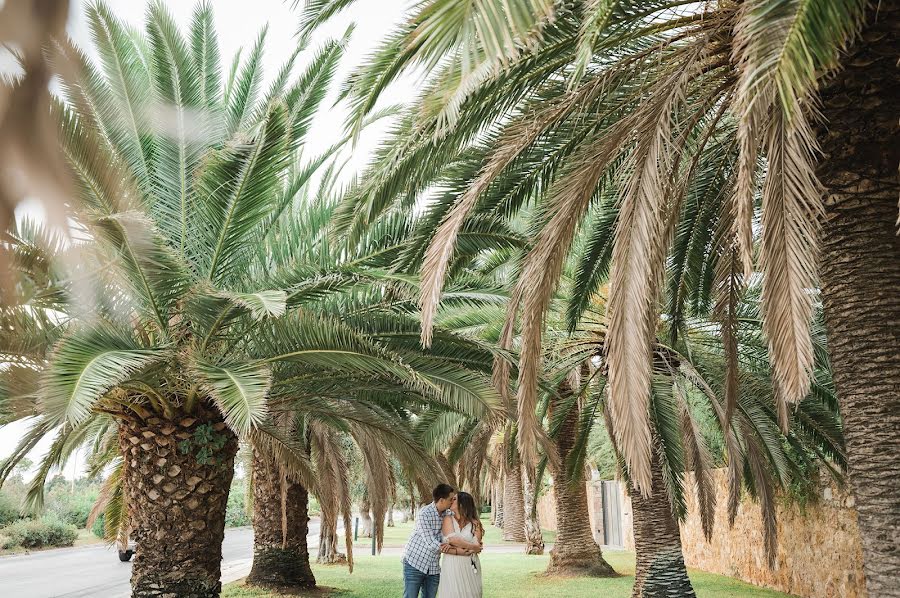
(819, 554)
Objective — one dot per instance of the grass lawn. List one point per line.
(505, 576)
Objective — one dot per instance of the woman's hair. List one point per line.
(467, 509)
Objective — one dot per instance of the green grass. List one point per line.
(505, 576)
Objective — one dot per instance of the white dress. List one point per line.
(460, 575)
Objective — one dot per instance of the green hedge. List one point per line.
(38, 533)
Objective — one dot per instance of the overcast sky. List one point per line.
(238, 23)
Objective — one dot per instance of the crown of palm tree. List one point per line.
(651, 123)
(202, 274)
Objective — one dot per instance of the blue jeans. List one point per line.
(415, 581)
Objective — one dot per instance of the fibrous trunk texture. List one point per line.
(176, 478)
(575, 552)
(513, 504)
(860, 267)
(534, 540)
(280, 526)
(660, 570)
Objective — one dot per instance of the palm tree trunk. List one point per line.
(660, 570)
(328, 542)
(280, 526)
(575, 551)
(860, 142)
(390, 515)
(513, 505)
(176, 478)
(534, 540)
(365, 516)
(497, 506)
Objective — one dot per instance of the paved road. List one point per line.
(95, 571)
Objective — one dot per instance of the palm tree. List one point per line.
(194, 335)
(631, 97)
(575, 550)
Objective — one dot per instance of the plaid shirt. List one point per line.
(423, 550)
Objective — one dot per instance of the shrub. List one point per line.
(99, 524)
(72, 507)
(40, 533)
(236, 511)
(9, 509)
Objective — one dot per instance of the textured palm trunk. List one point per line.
(176, 478)
(534, 540)
(513, 505)
(575, 552)
(280, 526)
(860, 142)
(390, 515)
(659, 570)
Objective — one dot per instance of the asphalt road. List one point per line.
(95, 571)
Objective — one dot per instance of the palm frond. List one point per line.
(85, 365)
(239, 390)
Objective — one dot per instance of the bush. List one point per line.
(99, 524)
(9, 509)
(39, 533)
(72, 507)
(236, 512)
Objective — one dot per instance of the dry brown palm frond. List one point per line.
(290, 456)
(697, 460)
(111, 485)
(765, 493)
(447, 470)
(639, 251)
(500, 375)
(568, 202)
(516, 139)
(379, 478)
(751, 105)
(791, 213)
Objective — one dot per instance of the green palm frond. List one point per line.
(205, 54)
(124, 100)
(236, 188)
(243, 86)
(85, 365)
(239, 389)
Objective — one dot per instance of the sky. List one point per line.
(238, 24)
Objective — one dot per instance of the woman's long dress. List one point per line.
(460, 575)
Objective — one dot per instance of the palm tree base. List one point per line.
(280, 526)
(176, 478)
(583, 564)
(281, 568)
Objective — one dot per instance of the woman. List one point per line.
(461, 570)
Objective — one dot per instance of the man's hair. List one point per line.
(442, 491)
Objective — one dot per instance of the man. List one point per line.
(422, 556)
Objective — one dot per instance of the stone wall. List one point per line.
(819, 554)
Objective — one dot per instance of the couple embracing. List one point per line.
(450, 526)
